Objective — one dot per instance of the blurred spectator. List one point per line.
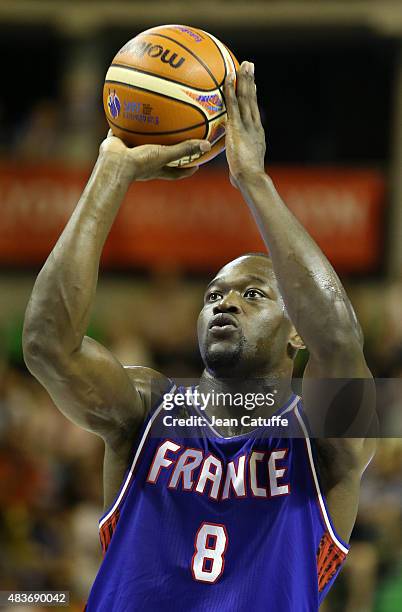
(38, 138)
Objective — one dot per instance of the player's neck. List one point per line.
(276, 391)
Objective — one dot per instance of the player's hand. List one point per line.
(147, 162)
(245, 137)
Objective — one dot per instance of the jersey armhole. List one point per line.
(109, 519)
(328, 525)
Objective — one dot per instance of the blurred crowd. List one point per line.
(51, 470)
(65, 130)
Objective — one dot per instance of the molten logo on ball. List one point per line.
(141, 48)
(113, 103)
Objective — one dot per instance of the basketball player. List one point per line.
(228, 519)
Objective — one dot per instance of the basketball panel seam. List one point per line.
(199, 60)
(154, 84)
(159, 76)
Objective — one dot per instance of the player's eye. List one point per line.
(213, 296)
(253, 293)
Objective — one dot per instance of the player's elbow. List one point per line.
(33, 350)
(360, 452)
(37, 347)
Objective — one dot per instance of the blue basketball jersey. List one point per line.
(213, 524)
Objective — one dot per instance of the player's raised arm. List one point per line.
(313, 294)
(84, 379)
(315, 299)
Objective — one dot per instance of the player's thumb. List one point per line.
(187, 148)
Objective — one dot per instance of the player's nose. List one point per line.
(229, 303)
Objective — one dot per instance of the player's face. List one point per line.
(243, 328)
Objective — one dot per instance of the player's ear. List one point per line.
(295, 342)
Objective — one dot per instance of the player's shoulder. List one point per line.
(143, 375)
(149, 383)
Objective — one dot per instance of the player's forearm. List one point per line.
(58, 312)
(312, 291)
(59, 309)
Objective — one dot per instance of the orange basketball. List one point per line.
(165, 86)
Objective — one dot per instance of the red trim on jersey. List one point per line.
(214, 539)
(329, 559)
(107, 530)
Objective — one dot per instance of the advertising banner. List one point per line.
(199, 223)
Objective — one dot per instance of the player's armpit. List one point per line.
(91, 388)
(339, 400)
(119, 452)
(340, 464)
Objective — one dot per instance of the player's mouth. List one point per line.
(222, 324)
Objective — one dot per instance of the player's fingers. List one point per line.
(173, 174)
(233, 181)
(187, 149)
(109, 134)
(244, 78)
(255, 111)
(231, 103)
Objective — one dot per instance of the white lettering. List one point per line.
(160, 461)
(207, 474)
(185, 466)
(235, 479)
(274, 474)
(255, 489)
